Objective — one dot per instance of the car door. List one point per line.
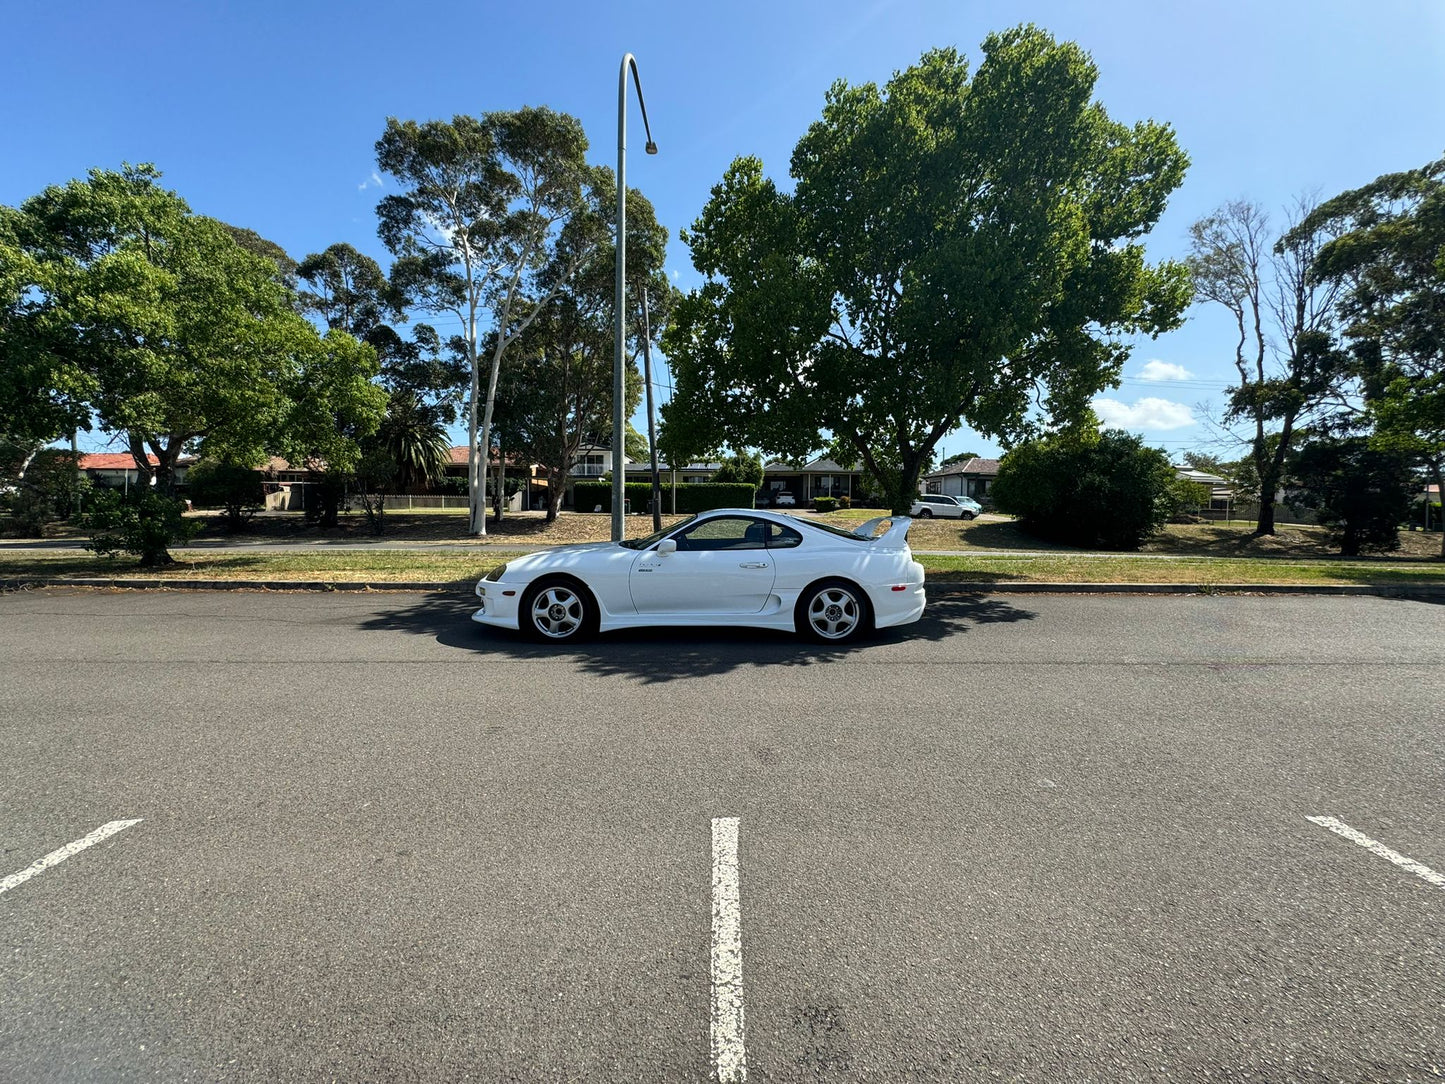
(721, 566)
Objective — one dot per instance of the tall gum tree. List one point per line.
(558, 391)
(1290, 370)
(954, 250)
(1389, 256)
(483, 204)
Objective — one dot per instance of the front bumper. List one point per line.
(499, 604)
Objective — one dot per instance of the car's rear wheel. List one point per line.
(925, 513)
(832, 612)
(558, 611)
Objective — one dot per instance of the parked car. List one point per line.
(731, 566)
(945, 507)
(784, 499)
(762, 498)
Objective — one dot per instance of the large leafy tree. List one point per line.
(44, 390)
(1290, 369)
(483, 204)
(1390, 259)
(169, 333)
(954, 250)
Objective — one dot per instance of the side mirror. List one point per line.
(666, 546)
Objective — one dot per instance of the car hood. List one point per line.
(584, 555)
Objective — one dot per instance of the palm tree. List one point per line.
(415, 441)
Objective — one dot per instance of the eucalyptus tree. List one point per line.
(558, 397)
(1290, 368)
(483, 203)
(954, 250)
(1389, 258)
(348, 291)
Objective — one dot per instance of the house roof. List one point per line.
(817, 466)
(122, 461)
(986, 467)
(1203, 477)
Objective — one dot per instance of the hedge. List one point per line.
(696, 497)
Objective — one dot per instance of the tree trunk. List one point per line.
(1266, 515)
(1437, 475)
(556, 486)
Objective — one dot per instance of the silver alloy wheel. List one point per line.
(834, 613)
(558, 612)
(925, 513)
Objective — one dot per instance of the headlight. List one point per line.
(496, 573)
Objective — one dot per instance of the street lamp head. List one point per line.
(651, 147)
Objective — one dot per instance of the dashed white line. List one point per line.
(729, 1057)
(54, 858)
(1419, 869)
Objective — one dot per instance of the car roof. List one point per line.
(781, 518)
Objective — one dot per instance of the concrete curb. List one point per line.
(1430, 592)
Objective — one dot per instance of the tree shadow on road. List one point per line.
(668, 654)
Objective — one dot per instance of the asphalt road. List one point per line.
(1042, 838)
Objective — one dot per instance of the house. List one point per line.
(967, 478)
(117, 470)
(819, 478)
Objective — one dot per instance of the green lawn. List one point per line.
(380, 566)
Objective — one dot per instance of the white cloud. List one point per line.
(1147, 413)
(374, 181)
(1164, 370)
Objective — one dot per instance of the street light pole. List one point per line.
(619, 396)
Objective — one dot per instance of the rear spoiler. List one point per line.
(895, 538)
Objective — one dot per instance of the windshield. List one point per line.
(656, 536)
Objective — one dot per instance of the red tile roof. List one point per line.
(122, 461)
(111, 461)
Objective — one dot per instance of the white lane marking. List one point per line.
(54, 858)
(1420, 870)
(729, 1058)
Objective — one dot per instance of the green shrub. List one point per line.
(141, 522)
(1360, 494)
(1085, 490)
(51, 491)
(698, 497)
(825, 504)
(234, 489)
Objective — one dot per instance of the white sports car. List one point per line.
(730, 566)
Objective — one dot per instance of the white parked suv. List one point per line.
(936, 504)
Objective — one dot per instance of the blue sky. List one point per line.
(265, 114)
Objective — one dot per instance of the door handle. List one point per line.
(753, 564)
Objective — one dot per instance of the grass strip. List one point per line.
(401, 566)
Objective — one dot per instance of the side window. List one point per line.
(782, 538)
(723, 533)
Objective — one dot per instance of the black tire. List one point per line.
(559, 610)
(832, 612)
(969, 515)
(925, 513)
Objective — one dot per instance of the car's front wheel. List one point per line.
(969, 515)
(558, 611)
(832, 612)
